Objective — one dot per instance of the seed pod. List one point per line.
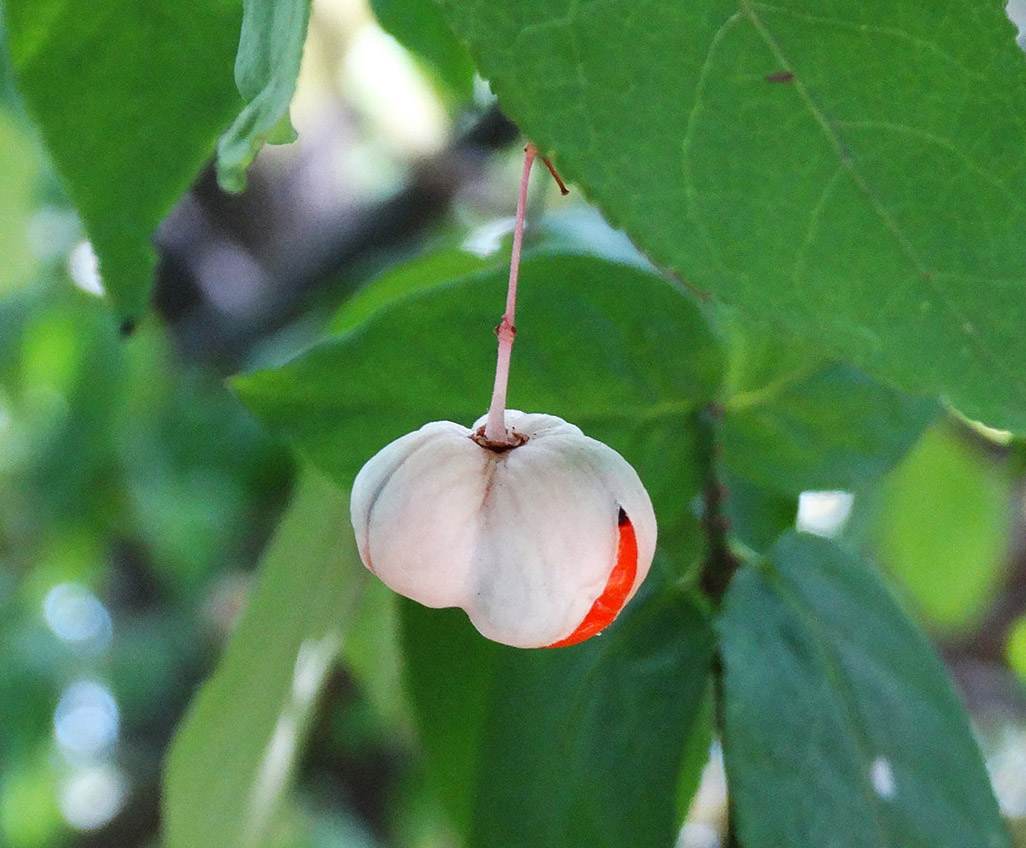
(542, 543)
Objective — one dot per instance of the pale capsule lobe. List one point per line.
(541, 544)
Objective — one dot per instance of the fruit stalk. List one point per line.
(495, 427)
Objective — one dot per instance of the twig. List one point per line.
(720, 562)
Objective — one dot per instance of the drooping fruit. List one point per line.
(541, 540)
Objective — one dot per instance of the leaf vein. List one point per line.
(813, 225)
(689, 135)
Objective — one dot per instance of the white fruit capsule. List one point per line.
(542, 543)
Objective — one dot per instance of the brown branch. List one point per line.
(720, 562)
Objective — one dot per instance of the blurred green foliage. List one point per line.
(225, 773)
(132, 479)
(141, 482)
(18, 181)
(943, 526)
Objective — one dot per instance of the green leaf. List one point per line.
(578, 746)
(129, 98)
(231, 760)
(825, 427)
(420, 27)
(266, 68)
(619, 352)
(841, 725)
(853, 174)
(941, 526)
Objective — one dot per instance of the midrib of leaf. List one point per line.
(837, 680)
(748, 9)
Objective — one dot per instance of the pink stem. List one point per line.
(495, 426)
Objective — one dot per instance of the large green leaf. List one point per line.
(618, 351)
(266, 68)
(231, 761)
(129, 96)
(854, 174)
(841, 725)
(561, 748)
